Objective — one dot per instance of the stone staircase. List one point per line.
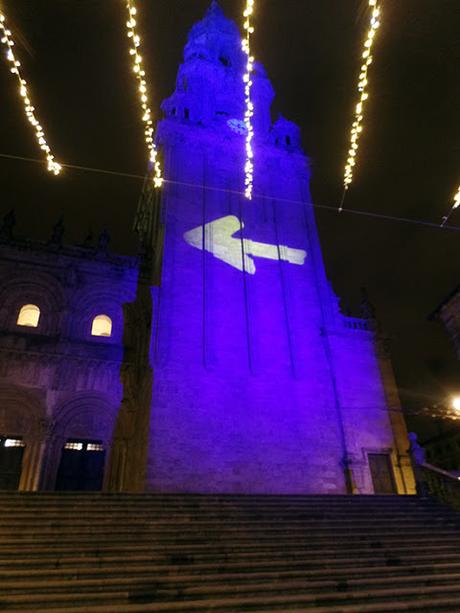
(131, 553)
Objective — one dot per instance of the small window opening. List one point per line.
(173, 112)
(288, 141)
(73, 446)
(83, 446)
(29, 316)
(184, 84)
(225, 61)
(13, 442)
(95, 447)
(187, 113)
(102, 326)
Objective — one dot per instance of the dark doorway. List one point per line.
(81, 467)
(11, 452)
(382, 473)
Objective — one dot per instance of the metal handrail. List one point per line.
(440, 484)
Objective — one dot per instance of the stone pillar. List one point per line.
(32, 464)
(114, 478)
(403, 472)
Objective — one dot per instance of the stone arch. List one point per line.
(31, 287)
(103, 300)
(23, 413)
(88, 416)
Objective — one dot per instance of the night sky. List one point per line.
(74, 55)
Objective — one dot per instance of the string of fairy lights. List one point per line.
(146, 113)
(7, 40)
(139, 73)
(249, 105)
(220, 190)
(455, 205)
(363, 82)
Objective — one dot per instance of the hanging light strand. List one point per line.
(357, 126)
(249, 105)
(139, 73)
(454, 206)
(29, 109)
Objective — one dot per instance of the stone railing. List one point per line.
(444, 486)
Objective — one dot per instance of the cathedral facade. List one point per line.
(228, 366)
(61, 352)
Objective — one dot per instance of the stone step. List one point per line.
(127, 553)
(213, 563)
(223, 574)
(215, 552)
(432, 604)
(164, 510)
(77, 603)
(207, 507)
(236, 514)
(209, 499)
(180, 534)
(167, 519)
(427, 605)
(110, 537)
(247, 561)
(165, 588)
(178, 497)
(215, 508)
(221, 519)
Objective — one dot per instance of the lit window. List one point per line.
(102, 326)
(29, 316)
(95, 447)
(74, 446)
(13, 442)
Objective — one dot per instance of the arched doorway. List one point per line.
(11, 457)
(22, 419)
(81, 467)
(81, 443)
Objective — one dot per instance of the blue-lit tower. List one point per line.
(261, 385)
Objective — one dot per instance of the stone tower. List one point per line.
(260, 384)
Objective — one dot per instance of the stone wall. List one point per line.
(57, 381)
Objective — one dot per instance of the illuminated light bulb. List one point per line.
(249, 105)
(454, 206)
(29, 110)
(364, 95)
(139, 73)
(457, 199)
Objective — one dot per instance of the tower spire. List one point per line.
(215, 6)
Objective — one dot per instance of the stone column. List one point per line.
(114, 478)
(34, 457)
(403, 472)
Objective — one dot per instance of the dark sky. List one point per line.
(74, 55)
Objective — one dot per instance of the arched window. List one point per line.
(28, 316)
(102, 326)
